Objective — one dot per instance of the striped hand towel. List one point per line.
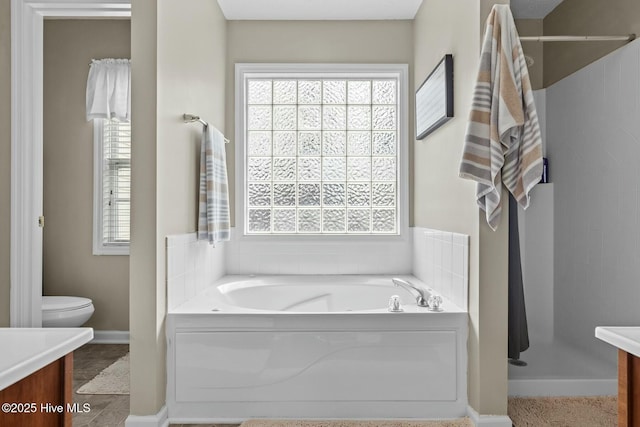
(213, 209)
(503, 142)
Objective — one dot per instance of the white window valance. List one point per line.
(109, 89)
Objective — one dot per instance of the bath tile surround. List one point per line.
(348, 255)
(438, 258)
(191, 267)
(441, 260)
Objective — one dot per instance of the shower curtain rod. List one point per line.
(629, 37)
(190, 118)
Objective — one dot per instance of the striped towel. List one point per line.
(503, 143)
(213, 210)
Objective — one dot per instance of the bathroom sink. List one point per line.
(26, 350)
(626, 338)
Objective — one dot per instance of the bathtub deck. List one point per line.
(313, 347)
(210, 300)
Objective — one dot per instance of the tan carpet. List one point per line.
(524, 412)
(564, 411)
(114, 379)
(462, 422)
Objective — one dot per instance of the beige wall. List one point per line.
(585, 17)
(488, 304)
(146, 313)
(445, 201)
(309, 42)
(178, 67)
(69, 267)
(5, 157)
(533, 27)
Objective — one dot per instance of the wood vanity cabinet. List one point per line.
(628, 389)
(42, 399)
(627, 340)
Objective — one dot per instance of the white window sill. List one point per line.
(111, 250)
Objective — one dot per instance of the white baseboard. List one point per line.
(558, 387)
(110, 337)
(488, 420)
(158, 420)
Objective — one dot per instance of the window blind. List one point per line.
(116, 182)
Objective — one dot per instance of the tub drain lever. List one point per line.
(395, 305)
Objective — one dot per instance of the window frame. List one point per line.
(246, 71)
(99, 247)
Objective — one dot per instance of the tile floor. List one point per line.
(107, 410)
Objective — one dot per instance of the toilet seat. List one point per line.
(66, 312)
(64, 303)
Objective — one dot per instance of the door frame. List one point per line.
(27, 23)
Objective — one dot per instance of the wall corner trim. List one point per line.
(486, 420)
(161, 419)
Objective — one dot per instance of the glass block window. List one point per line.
(321, 155)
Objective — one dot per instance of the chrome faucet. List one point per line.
(420, 294)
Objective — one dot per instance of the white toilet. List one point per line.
(65, 312)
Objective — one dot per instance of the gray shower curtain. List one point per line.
(518, 331)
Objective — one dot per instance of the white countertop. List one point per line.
(626, 338)
(26, 350)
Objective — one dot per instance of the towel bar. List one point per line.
(628, 37)
(190, 118)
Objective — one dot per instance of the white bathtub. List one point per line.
(313, 347)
